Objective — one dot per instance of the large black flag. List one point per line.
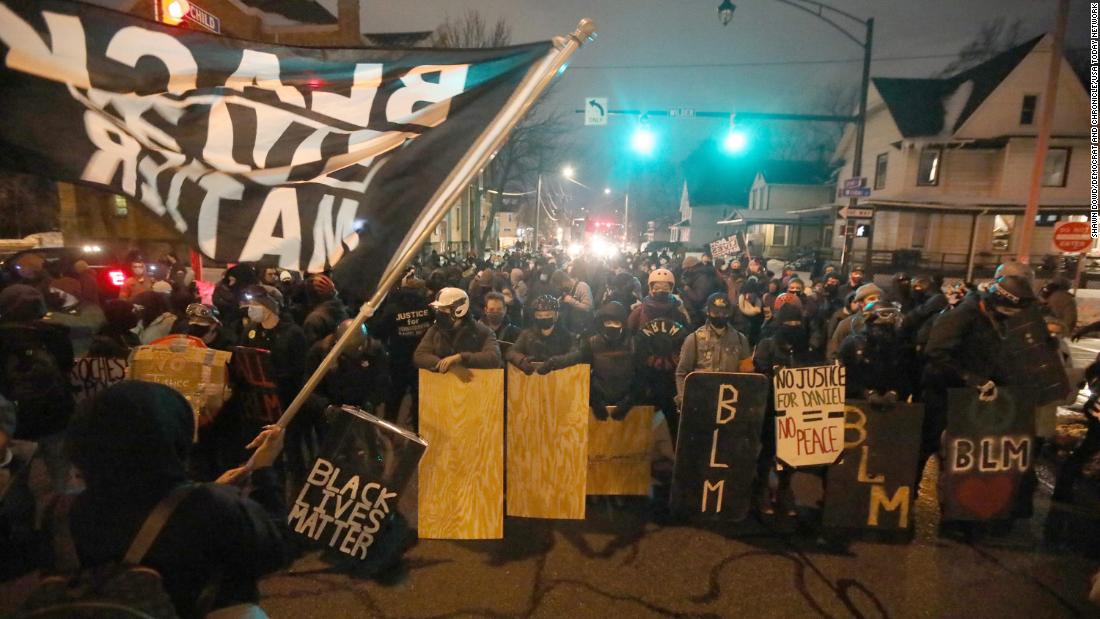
(292, 155)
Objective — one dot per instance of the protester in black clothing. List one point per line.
(116, 338)
(325, 309)
(855, 280)
(901, 291)
(359, 377)
(130, 447)
(877, 357)
(496, 318)
(615, 376)
(456, 339)
(546, 342)
(228, 291)
(202, 321)
(404, 320)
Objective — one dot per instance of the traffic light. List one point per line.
(735, 142)
(643, 141)
(172, 12)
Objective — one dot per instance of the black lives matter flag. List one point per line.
(297, 156)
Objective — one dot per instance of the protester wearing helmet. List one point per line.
(614, 365)
(456, 339)
(203, 322)
(876, 356)
(661, 302)
(545, 342)
(714, 347)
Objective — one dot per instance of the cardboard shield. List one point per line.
(254, 384)
(461, 490)
(720, 425)
(809, 415)
(989, 447)
(619, 453)
(871, 486)
(1030, 358)
(348, 505)
(200, 374)
(548, 443)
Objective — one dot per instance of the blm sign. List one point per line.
(876, 474)
(990, 448)
(809, 415)
(718, 442)
(254, 383)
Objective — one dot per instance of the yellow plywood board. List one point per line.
(548, 443)
(461, 491)
(619, 453)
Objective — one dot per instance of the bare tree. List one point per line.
(28, 204)
(470, 30)
(814, 141)
(992, 38)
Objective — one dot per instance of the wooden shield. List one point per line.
(548, 443)
(988, 449)
(619, 453)
(872, 484)
(723, 415)
(461, 492)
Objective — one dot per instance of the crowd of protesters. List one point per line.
(642, 322)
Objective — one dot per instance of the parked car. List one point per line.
(110, 272)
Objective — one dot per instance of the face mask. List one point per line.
(544, 323)
(257, 313)
(718, 322)
(613, 334)
(445, 322)
(798, 293)
(830, 288)
(494, 319)
(795, 337)
(661, 295)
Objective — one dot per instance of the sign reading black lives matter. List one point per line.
(870, 487)
(289, 155)
(349, 501)
(989, 447)
(717, 445)
(809, 421)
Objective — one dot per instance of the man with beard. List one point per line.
(614, 369)
(496, 318)
(545, 342)
(789, 347)
(876, 356)
(456, 339)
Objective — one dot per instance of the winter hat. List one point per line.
(689, 262)
(785, 299)
(21, 303)
(867, 290)
(788, 312)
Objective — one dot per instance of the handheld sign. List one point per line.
(619, 453)
(990, 447)
(254, 383)
(348, 504)
(872, 484)
(461, 489)
(809, 415)
(90, 375)
(547, 443)
(1032, 359)
(719, 438)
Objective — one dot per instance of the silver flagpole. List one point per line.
(491, 139)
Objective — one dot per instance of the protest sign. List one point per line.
(90, 375)
(1032, 358)
(878, 470)
(729, 246)
(989, 449)
(547, 456)
(200, 374)
(719, 439)
(461, 489)
(254, 384)
(619, 453)
(348, 504)
(809, 420)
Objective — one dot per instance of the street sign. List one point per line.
(858, 192)
(1072, 236)
(682, 112)
(595, 111)
(856, 213)
(204, 18)
(855, 183)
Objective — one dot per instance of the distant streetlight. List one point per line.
(568, 172)
(606, 191)
(725, 12)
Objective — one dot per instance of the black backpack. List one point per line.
(115, 590)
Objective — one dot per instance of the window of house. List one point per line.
(1055, 167)
(920, 229)
(122, 208)
(928, 173)
(880, 170)
(1046, 220)
(1003, 226)
(1027, 109)
(779, 235)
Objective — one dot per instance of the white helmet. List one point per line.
(661, 275)
(454, 298)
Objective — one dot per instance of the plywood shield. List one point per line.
(548, 443)
(619, 453)
(461, 493)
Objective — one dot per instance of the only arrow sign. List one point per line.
(595, 111)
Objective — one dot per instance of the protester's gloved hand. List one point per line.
(621, 409)
(551, 364)
(600, 412)
(526, 366)
(987, 392)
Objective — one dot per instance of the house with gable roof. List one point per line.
(949, 160)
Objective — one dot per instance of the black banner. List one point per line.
(254, 384)
(1032, 357)
(988, 449)
(254, 152)
(349, 503)
(716, 450)
(872, 485)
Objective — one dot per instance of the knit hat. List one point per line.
(788, 312)
(867, 290)
(21, 303)
(689, 262)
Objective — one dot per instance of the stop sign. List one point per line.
(1072, 236)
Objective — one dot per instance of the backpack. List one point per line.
(114, 590)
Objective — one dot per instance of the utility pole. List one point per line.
(626, 218)
(538, 210)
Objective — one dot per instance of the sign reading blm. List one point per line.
(719, 438)
(990, 447)
(870, 487)
(809, 418)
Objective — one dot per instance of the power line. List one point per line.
(762, 63)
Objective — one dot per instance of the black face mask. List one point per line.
(795, 337)
(718, 322)
(661, 296)
(444, 322)
(830, 289)
(199, 331)
(613, 334)
(544, 323)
